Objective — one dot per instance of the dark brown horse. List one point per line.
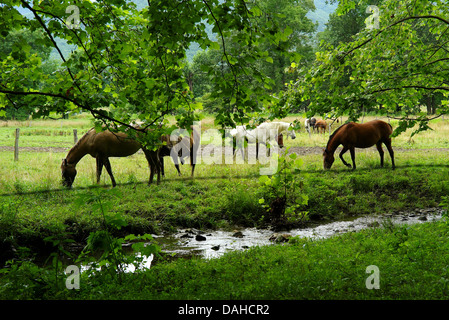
(105, 144)
(186, 146)
(355, 135)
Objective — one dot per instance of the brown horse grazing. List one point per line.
(105, 144)
(355, 135)
(321, 125)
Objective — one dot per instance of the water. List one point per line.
(214, 244)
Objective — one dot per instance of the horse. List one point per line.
(105, 144)
(321, 124)
(258, 134)
(355, 135)
(310, 124)
(186, 146)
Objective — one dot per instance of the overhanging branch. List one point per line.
(392, 25)
(96, 113)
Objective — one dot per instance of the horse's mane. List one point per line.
(335, 132)
(79, 142)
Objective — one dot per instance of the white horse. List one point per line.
(310, 124)
(260, 134)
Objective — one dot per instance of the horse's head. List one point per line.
(68, 173)
(291, 131)
(328, 159)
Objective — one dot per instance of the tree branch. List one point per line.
(96, 113)
(392, 25)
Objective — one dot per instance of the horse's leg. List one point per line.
(154, 166)
(151, 163)
(381, 153)
(107, 165)
(352, 150)
(99, 168)
(192, 157)
(257, 150)
(341, 156)
(157, 164)
(161, 160)
(390, 150)
(177, 155)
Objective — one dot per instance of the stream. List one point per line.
(213, 244)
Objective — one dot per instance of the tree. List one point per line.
(18, 44)
(289, 16)
(341, 28)
(129, 64)
(391, 66)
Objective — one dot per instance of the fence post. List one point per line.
(75, 136)
(16, 145)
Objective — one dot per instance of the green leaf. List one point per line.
(265, 180)
(117, 221)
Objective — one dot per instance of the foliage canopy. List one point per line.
(129, 62)
(385, 69)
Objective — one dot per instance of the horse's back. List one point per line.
(364, 135)
(111, 144)
(383, 128)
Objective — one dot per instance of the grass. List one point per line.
(34, 206)
(411, 260)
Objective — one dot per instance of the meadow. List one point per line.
(34, 207)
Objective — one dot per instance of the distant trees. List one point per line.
(397, 66)
(295, 45)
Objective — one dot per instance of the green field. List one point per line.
(34, 206)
